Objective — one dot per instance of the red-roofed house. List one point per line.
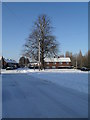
(62, 62)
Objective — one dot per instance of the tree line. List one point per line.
(78, 60)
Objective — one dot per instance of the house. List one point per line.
(9, 63)
(59, 62)
(33, 63)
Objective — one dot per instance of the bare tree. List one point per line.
(67, 54)
(79, 59)
(42, 33)
(86, 60)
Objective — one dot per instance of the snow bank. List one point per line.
(19, 70)
(27, 70)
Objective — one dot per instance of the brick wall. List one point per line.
(57, 64)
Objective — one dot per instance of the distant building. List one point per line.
(23, 61)
(8, 63)
(33, 63)
(59, 62)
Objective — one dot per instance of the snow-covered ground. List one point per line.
(45, 94)
(76, 81)
(26, 70)
(70, 78)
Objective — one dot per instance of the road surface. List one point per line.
(25, 96)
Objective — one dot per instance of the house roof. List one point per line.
(9, 61)
(61, 59)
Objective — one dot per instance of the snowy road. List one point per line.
(26, 96)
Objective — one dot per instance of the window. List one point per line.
(47, 63)
(67, 63)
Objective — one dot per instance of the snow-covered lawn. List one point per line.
(45, 94)
(70, 78)
(26, 70)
